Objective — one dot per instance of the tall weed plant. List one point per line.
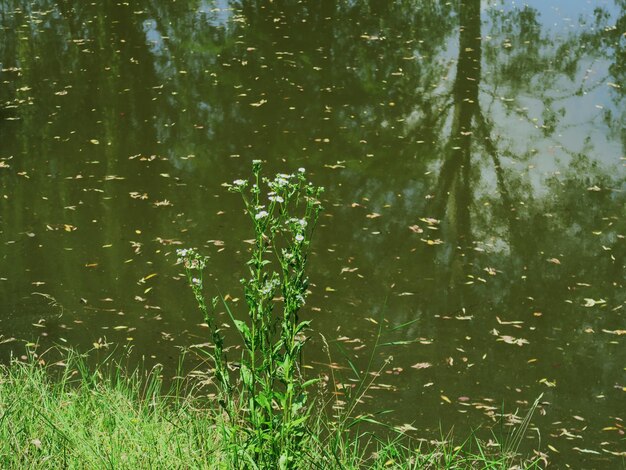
(265, 399)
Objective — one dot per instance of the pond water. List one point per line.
(473, 155)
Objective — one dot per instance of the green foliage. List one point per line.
(266, 399)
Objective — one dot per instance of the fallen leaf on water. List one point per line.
(548, 383)
(164, 202)
(586, 451)
(592, 302)
(334, 167)
(405, 428)
(618, 454)
(421, 365)
(145, 278)
(446, 399)
(511, 340)
(348, 270)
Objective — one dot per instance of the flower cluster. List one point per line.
(282, 182)
(191, 259)
(260, 215)
(295, 222)
(269, 287)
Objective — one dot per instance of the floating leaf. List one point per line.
(405, 428)
(586, 451)
(615, 332)
(592, 302)
(548, 383)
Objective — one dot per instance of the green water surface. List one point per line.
(473, 155)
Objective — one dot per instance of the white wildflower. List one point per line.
(299, 237)
(240, 183)
(196, 282)
(301, 170)
(269, 286)
(276, 199)
(261, 215)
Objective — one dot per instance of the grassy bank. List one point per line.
(66, 415)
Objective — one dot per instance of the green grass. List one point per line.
(66, 415)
